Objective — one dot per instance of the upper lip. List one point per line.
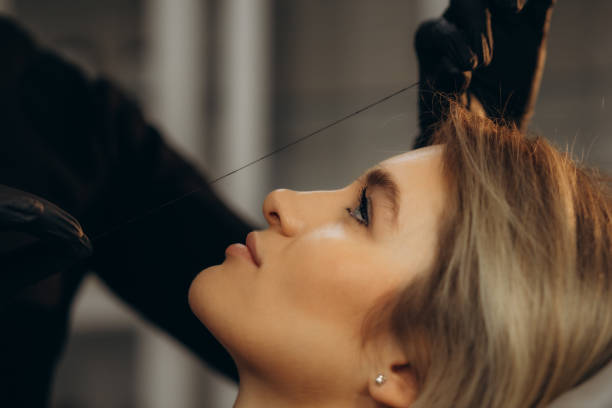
(250, 243)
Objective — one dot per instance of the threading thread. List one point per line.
(299, 140)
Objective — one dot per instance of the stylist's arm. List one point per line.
(85, 145)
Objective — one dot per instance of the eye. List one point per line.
(361, 212)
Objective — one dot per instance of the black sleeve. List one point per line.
(151, 262)
(84, 145)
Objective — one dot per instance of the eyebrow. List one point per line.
(378, 177)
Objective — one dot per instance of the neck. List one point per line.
(254, 392)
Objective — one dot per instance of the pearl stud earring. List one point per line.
(380, 379)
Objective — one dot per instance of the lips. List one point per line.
(250, 244)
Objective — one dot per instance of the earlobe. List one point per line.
(396, 387)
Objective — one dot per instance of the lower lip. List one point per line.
(240, 250)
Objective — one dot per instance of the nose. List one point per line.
(293, 212)
(279, 209)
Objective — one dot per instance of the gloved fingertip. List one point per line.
(86, 246)
(82, 247)
(438, 39)
(466, 59)
(485, 52)
(21, 210)
(451, 79)
(424, 35)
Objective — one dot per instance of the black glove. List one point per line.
(37, 239)
(482, 52)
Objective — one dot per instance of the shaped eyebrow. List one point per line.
(380, 178)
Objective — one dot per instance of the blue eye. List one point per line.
(361, 211)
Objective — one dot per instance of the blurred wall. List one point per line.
(574, 103)
(316, 61)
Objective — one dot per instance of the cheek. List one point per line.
(414, 250)
(333, 280)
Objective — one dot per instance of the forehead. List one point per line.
(420, 168)
(429, 153)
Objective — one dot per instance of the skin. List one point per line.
(294, 324)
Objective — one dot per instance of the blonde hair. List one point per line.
(518, 306)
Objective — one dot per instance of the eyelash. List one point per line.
(362, 209)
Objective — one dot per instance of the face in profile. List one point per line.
(293, 312)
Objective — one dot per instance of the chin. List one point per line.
(198, 293)
(213, 299)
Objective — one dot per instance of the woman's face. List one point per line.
(326, 259)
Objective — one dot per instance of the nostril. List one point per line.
(273, 208)
(274, 215)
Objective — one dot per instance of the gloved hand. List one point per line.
(37, 239)
(482, 52)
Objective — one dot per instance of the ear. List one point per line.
(400, 388)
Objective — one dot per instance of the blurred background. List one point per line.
(227, 81)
